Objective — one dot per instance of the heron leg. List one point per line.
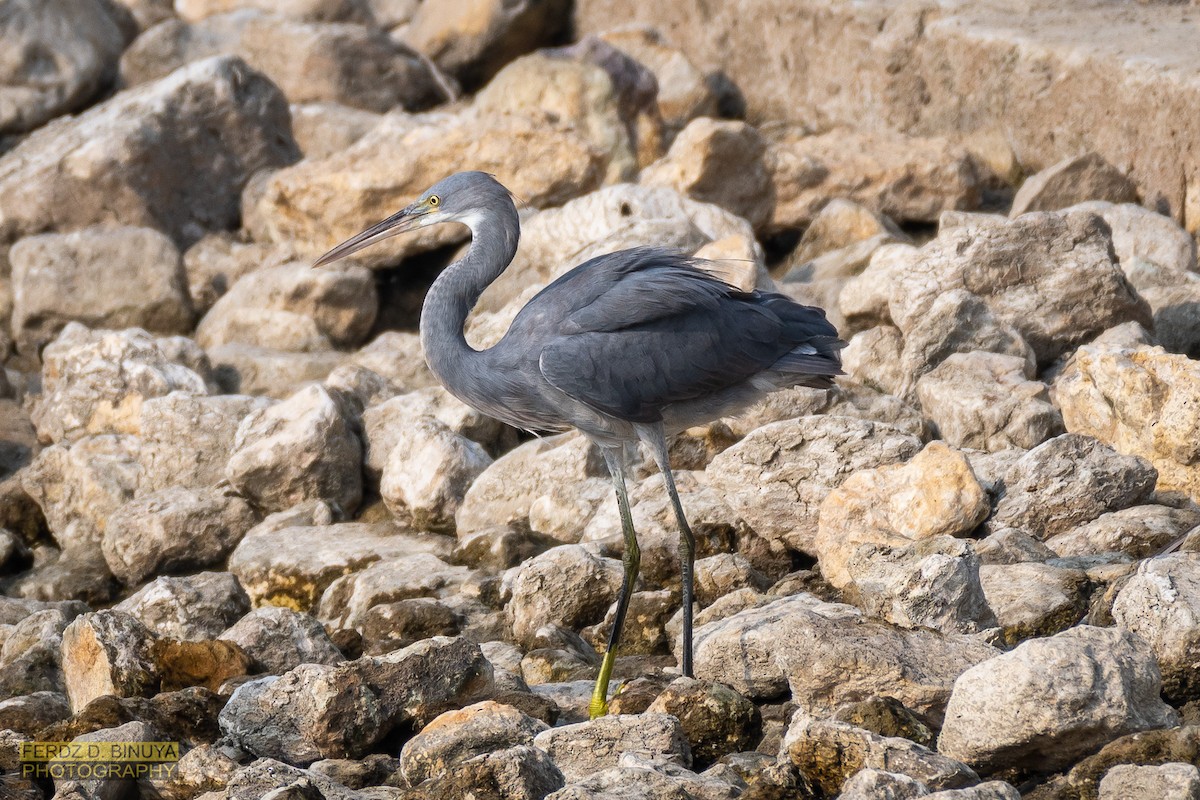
(654, 438)
(632, 560)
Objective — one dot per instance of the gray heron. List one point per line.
(628, 348)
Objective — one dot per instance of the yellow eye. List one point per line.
(434, 200)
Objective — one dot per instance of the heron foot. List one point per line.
(597, 708)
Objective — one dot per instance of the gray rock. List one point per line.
(987, 401)
(718, 575)
(517, 773)
(715, 719)
(456, 736)
(30, 713)
(356, 65)
(1141, 234)
(428, 472)
(30, 654)
(1071, 181)
(108, 652)
(79, 45)
(1171, 781)
(1161, 603)
(566, 585)
(133, 158)
(303, 448)
(248, 369)
(777, 476)
(293, 566)
(1011, 546)
(586, 748)
(1033, 599)
(313, 711)
(107, 788)
(989, 790)
(829, 653)
(280, 639)
(102, 277)
(1049, 701)
(174, 530)
(869, 784)
(95, 381)
(1068, 481)
(191, 608)
(323, 128)
(77, 572)
(425, 679)
(349, 599)
(1139, 532)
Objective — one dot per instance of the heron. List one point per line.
(628, 348)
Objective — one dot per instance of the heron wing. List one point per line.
(654, 330)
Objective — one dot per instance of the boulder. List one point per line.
(1139, 532)
(324, 128)
(684, 92)
(715, 719)
(189, 608)
(566, 585)
(308, 10)
(280, 639)
(519, 773)
(456, 736)
(1141, 235)
(1073, 180)
(108, 653)
(425, 679)
(252, 370)
(349, 599)
(1132, 782)
(428, 472)
(1160, 603)
(586, 748)
(1032, 599)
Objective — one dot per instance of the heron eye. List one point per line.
(434, 200)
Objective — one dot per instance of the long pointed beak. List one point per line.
(406, 219)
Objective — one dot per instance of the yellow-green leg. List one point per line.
(632, 561)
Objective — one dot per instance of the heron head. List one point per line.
(462, 197)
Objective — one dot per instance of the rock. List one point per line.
(174, 530)
(30, 655)
(887, 717)
(1050, 701)
(1071, 181)
(518, 773)
(933, 494)
(96, 382)
(869, 783)
(303, 448)
(1011, 546)
(293, 566)
(355, 65)
(77, 572)
(828, 752)
(131, 159)
(30, 713)
(1139, 532)
(313, 711)
(425, 679)
(428, 472)
(107, 652)
(566, 585)
(103, 277)
(1155, 422)
(684, 92)
(78, 44)
(457, 736)
(778, 475)
(252, 370)
(349, 599)
(986, 401)
(842, 223)
(1175, 316)
(1069, 480)
(989, 790)
(398, 357)
(324, 128)
(1159, 603)
(216, 261)
(909, 179)
(586, 748)
(1143, 783)
(210, 664)
(718, 162)
(715, 719)
(189, 608)
(320, 202)
(308, 10)
(826, 654)
(933, 582)
(279, 639)
(720, 574)
(1154, 747)
(187, 439)
(873, 358)
(1141, 234)
(1032, 599)
(80, 785)
(360, 387)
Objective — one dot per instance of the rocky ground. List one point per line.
(237, 511)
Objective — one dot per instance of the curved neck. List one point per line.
(494, 237)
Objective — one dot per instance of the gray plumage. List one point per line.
(627, 347)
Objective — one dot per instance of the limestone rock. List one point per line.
(1071, 181)
(776, 478)
(188, 608)
(398, 357)
(566, 585)
(1049, 701)
(1032, 599)
(909, 179)
(586, 748)
(252, 370)
(280, 639)
(830, 653)
(869, 783)
(457, 736)
(322, 129)
(132, 159)
(718, 162)
(174, 530)
(292, 566)
(344, 63)
(1139, 532)
(30, 658)
(310, 10)
(1131, 782)
(303, 448)
(1160, 603)
(933, 494)
(96, 381)
(425, 679)
(1141, 234)
(873, 358)
(103, 277)
(986, 401)
(107, 652)
(684, 92)
(1070, 480)
(715, 719)
(1156, 421)
(349, 599)
(428, 472)
(517, 773)
(79, 45)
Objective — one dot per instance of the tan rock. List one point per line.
(873, 359)
(252, 370)
(683, 91)
(1032, 599)
(428, 472)
(312, 10)
(1161, 603)
(840, 224)
(1157, 420)
(323, 128)
(1071, 181)
(458, 735)
(935, 493)
(108, 653)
